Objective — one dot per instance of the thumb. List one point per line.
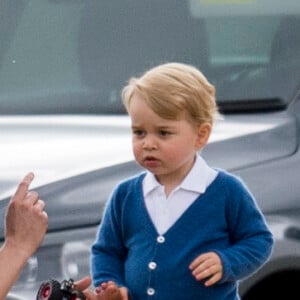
(83, 283)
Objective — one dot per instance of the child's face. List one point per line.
(165, 147)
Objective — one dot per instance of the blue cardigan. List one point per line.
(224, 219)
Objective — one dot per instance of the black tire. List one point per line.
(49, 290)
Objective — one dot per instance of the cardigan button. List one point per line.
(150, 291)
(160, 239)
(152, 265)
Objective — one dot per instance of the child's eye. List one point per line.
(164, 133)
(138, 132)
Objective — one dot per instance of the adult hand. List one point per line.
(25, 227)
(26, 220)
(83, 285)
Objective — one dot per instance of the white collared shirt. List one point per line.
(165, 211)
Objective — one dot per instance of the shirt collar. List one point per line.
(196, 180)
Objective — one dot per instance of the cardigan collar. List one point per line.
(197, 180)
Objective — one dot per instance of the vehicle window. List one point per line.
(73, 56)
(255, 36)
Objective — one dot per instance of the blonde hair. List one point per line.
(173, 88)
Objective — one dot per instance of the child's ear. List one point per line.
(203, 134)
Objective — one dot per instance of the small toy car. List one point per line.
(55, 290)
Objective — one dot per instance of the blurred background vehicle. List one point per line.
(62, 66)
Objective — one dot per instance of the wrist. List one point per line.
(16, 251)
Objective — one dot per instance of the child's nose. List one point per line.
(149, 143)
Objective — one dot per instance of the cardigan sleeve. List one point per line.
(251, 239)
(108, 252)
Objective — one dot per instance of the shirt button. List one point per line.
(160, 239)
(150, 291)
(152, 265)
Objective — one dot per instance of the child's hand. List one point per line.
(124, 293)
(110, 291)
(207, 266)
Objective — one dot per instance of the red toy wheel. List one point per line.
(49, 290)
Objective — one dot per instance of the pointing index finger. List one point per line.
(23, 186)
